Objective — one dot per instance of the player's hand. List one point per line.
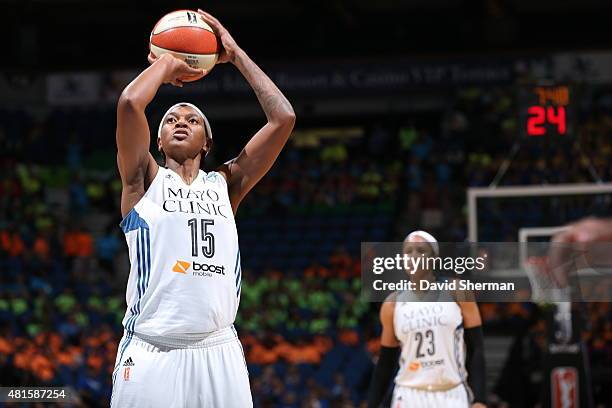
(177, 70)
(229, 48)
(589, 238)
(586, 230)
(479, 405)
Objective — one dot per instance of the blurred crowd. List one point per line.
(309, 338)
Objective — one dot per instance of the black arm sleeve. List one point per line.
(385, 368)
(475, 362)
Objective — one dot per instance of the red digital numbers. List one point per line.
(539, 116)
(557, 118)
(535, 122)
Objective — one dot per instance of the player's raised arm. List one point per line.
(387, 364)
(261, 151)
(136, 165)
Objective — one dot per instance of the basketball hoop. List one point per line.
(546, 285)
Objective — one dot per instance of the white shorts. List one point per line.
(208, 372)
(404, 397)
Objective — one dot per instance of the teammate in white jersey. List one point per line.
(427, 332)
(179, 347)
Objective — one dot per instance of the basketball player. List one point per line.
(426, 332)
(179, 347)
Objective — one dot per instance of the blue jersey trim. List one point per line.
(238, 273)
(143, 257)
(133, 221)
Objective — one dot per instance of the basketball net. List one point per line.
(546, 289)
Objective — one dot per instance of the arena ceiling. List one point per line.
(50, 35)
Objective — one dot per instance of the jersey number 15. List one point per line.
(208, 239)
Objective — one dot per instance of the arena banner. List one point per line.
(591, 67)
(539, 272)
(22, 90)
(347, 78)
(365, 76)
(398, 75)
(73, 88)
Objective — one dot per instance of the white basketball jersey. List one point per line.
(431, 336)
(185, 261)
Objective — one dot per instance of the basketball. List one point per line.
(185, 34)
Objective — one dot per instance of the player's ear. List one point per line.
(207, 145)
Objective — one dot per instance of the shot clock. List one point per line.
(546, 111)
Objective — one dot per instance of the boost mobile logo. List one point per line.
(198, 268)
(414, 366)
(181, 267)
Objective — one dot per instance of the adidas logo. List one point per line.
(129, 362)
(181, 267)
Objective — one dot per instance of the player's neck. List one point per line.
(188, 170)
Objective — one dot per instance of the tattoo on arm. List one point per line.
(272, 100)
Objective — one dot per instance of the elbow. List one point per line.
(291, 117)
(287, 119)
(127, 102)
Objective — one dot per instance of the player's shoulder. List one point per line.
(459, 294)
(392, 297)
(224, 170)
(388, 307)
(212, 177)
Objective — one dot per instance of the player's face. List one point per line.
(183, 134)
(417, 247)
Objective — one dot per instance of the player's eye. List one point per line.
(193, 121)
(170, 120)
